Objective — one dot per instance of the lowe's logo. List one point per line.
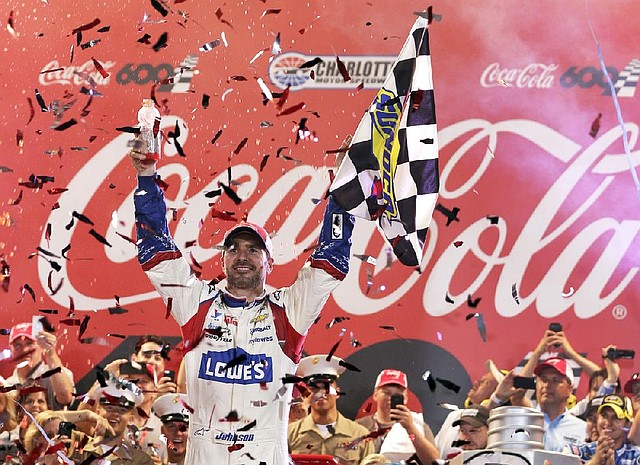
(235, 366)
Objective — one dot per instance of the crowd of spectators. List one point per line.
(136, 413)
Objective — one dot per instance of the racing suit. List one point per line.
(238, 351)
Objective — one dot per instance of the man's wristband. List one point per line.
(496, 400)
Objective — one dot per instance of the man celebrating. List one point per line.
(612, 422)
(240, 340)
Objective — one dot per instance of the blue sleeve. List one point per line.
(334, 244)
(155, 243)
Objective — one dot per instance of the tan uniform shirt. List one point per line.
(306, 438)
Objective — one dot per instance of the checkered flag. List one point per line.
(183, 74)
(390, 172)
(627, 82)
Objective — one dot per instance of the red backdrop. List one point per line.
(517, 88)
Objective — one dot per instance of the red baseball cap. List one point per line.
(251, 228)
(19, 330)
(390, 376)
(558, 364)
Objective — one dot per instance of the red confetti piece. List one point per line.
(223, 215)
(292, 109)
(103, 72)
(458, 243)
(235, 447)
(126, 238)
(343, 69)
(86, 27)
(57, 190)
(26, 289)
(595, 126)
(263, 163)
(271, 11)
(284, 95)
(32, 111)
(169, 307)
(83, 326)
(241, 145)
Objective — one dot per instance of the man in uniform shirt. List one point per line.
(174, 415)
(326, 431)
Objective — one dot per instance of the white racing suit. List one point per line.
(238, 352)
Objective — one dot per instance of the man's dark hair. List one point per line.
(150, 338)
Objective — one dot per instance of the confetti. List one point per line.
(86, 27)
(276, 48)
(473, 303)
(595, 126)
(161, 43)
(99, 237)
(569, 293)
(493, 219)
(159, 7)
(40, 100)
(343, 70)
(230, 193)
(514, 293)
(292, 109)
(209, 46)
(367, 259)
(10, 27)
(217, 136)
(426, 376)
(451, 215)
(449, 385)
(271, 11)
(103, 72)
(66, 125)
(349, 366)
(311, 63)
(205, 100)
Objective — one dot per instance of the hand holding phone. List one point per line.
(397, 399)
(524, 382)
(169, 374)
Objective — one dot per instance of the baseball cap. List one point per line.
(592, 407)
(628, 386)
(620, 405)
(19, 330)
(251, 228)
(390, 376)
(171, 407)
(121, 393)
(558, 364)
(475, 415)
(315, 368)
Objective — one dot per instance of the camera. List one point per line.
(65, 428)
(615, 354)
(555, 327)
(524, 382)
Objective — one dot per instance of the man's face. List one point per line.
(118, 417)
(323, 397)
(176, 433)
(552, 389)
(382, 397)
(150, 353)
(476, 435)
(482, 388)
(26, 349)
(246, 263)
(145, 383)
(608, 424)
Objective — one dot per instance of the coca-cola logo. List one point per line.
(75, 75)
(534, 75)
(545, 223)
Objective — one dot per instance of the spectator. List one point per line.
(632, 389)
(554, 383)
(601, 382)
(474, 427)
(37, 354)
(174, 415)
(479, 393)
(406, 432)
(119, 401)
(589, 416)
(612, 422)
(325, 430)
(152, 350)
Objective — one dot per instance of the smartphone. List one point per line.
(397, 399)
(555, 327)
(169, 374)
(36, 326)
(524, 382)
(615, 354)
(65, 428)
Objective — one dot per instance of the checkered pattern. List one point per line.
(184, 74)
(627, 82)
(390, 173)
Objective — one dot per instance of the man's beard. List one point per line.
(245, 282)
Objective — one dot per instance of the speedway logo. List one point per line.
(76, 75)
(223, 367)
(285, 71)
